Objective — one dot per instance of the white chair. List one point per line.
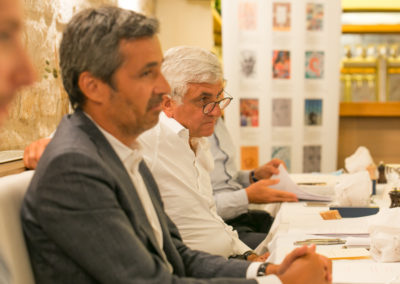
(12, 243)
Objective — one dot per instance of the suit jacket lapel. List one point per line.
(112, 160)
(169, 247)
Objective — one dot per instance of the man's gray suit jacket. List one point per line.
(84, 223)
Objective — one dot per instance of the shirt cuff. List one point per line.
(231, 204)
(268, 279)
(244, 178)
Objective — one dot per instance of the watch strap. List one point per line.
(262, 269)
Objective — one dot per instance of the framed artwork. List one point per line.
(247, 16)
(314, 64)
(313, 112)
(281, 16)
(282, 153)
(314, 16)
(248, 62)
(311, 159)
(249, 157)
(281, 112)
(249, 112)
(281, 64)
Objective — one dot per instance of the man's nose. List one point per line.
(216, 110)
(163, 85)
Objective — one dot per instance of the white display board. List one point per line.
(281, 61)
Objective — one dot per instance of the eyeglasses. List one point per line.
(223, 103)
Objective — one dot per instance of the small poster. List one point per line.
(311, 159)
(281, 64)
(248, 61)
(314, 16)
(314, 65)
(249, 112)
(281, 16)
(247, 16)
(249, 157)
(282, 153)
(281, 112)
(313, 112)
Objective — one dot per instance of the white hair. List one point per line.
(188, 64)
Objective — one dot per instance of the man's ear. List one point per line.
(93, 88)
(168, 105)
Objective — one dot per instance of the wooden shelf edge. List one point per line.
(370, 28)
(370, 109)
(11, 168)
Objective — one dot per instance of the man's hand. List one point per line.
(303, 265)
(261, 258)
(260, 192)
(268, 169)
(34, 151)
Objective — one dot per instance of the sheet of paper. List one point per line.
(334, 252)
(343, 227)
(287, 184)
(365, 272)
(352, 242)
(11, 155)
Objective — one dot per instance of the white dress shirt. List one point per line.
(185, 186)
(227, 181)
(184, 181)
(131, 157)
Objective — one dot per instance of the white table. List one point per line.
(292, 218)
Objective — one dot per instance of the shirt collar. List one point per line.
(183, 132)
(173, 125)
(124, 152)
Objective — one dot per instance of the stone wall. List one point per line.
(37, 110)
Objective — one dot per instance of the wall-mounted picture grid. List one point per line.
(281, 64)
(249, 157)
(249, 112)
(314, 64)
(248, 61)
(314, 16)
(281, 112)
(247, 16)
(313, 112)
(311, 159)
(282, 153)
(281, 17)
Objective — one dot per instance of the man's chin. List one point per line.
(208, 131)
(151, 120)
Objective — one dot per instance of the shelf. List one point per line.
(370, 109)
(13, 167)
(352, 29)
(370, 5)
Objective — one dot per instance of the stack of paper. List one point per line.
(287, 184)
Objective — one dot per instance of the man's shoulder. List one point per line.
(70, 140)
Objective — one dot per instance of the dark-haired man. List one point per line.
(93, 213)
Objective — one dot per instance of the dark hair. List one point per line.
(91, 41)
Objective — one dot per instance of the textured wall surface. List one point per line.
(37, 110)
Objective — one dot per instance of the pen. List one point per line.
(320, 242)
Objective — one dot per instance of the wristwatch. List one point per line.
(252, 177)
(243, 256)
(262, 269)
(247, 254)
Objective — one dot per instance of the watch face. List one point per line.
(262, 269)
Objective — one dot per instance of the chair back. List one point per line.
(12, 243)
